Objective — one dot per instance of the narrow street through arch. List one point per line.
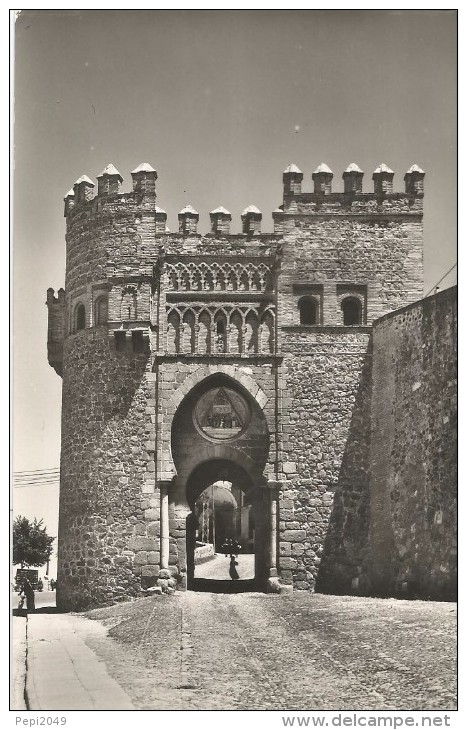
(222, 546)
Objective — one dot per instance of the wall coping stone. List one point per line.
(447, 293)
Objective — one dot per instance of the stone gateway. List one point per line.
(297, 374)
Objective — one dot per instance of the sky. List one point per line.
(219, 102)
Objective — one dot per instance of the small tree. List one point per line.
(31, 544)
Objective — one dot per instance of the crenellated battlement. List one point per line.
(356, 204)
(352, 200)
(383, 178)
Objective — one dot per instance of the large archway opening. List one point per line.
(223, 544)
(220, 448)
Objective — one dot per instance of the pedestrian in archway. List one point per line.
(233, 569)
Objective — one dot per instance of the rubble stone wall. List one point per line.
(376, 256)
(414, 450)
(108, 528)
(324, 501)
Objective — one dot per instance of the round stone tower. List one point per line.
(99, 340)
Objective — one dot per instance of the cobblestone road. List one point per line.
(296, 652)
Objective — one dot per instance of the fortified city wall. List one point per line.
(413, 466)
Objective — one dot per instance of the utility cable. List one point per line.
(37, 471)
(442, 279)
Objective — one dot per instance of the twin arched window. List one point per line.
(351, 307)
(100, 313)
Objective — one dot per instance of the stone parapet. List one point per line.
(354, 204)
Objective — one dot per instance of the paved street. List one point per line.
(43, 600)
(18, 663)
(63, 673)
(218, 568)
(294, 652)
(52, 666)
(245, 651)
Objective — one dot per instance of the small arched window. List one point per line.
(101, 311)
(351, 311)
(80, 317)
(309, 312)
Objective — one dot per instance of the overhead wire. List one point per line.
(36, 477)
(38, 471)
(442, 279)
(38, 484)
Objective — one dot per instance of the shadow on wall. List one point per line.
(125, 386)
(340, 570)
(392, 530)
(414, 463)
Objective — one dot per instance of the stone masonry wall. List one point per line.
(413, 453)
(324, 501)
(110, 244)
(381, 253)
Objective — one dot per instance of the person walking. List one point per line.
(233, 569)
